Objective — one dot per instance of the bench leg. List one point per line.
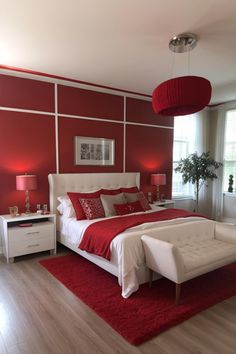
(177, 293)
(150, 277)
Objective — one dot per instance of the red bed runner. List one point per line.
(98, 236)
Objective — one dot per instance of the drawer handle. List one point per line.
(32, 233)
(34, 245)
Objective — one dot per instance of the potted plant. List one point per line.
(197, 170)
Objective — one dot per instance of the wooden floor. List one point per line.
(39, 315)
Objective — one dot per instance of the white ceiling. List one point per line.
(121, 43)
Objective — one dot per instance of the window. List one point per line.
(229, 149)
(184, 144)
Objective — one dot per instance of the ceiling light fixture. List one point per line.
(185, 94)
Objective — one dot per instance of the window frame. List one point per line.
(188, 189)
(225, 177)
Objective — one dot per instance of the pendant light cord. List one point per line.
(172, 66)
(188, 61)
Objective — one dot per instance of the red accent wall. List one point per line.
(69, 128)
(27, 140)
(149, 150)
(27, 145)
(21, 93)
(140, 111)
(88, 103)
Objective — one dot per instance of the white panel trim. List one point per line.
(150, 125)
(124, 137)
(26, 111)
(89, 118)
(53, 114)
(56, 127)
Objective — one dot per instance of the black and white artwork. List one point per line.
(94, 151)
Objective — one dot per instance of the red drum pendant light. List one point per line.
(185, 94)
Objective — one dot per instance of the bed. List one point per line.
(127, 261)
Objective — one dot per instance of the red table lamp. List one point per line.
(157, 180)
(26, 183)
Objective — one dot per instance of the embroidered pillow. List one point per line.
(143, 201)
(108, 202)
(130, 189)
(75, 197)
(128, 208)
(92, 208)
(132, 197)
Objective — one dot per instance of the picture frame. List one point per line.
(94, 151)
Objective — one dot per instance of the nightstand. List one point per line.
(18, 241)
(165, 204)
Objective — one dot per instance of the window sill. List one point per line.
(229, 194)
(182, 198)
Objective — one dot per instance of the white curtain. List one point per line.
(202, 145)
(218, 118)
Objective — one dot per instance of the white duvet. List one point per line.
(126, 247)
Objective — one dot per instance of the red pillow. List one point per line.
(110, 191)
(75, 197)
(128, 208)
(130, 189)
(92, 208)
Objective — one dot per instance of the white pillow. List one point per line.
(65, 207)
(109, 200)
(67, 211)
(64, 200)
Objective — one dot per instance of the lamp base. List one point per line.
(27, 203)
(157, 194)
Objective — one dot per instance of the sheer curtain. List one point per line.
(190, 135)
(218, 123)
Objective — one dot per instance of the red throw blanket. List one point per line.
(98, 236)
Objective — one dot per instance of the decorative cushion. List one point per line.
(128, 208)
(92, 208)
(108, 202)
(132, 197)
(130, 189)
(143, 201)
(110, 191)
(75, 197)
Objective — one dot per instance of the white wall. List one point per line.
(229, 207)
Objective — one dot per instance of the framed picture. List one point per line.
(94, 151)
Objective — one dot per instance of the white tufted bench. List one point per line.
(184, 251)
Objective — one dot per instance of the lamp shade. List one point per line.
(26, 182)
(181, 96)
(158, 179)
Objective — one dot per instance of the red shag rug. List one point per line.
(148, 311)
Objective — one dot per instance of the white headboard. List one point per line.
(60, 184)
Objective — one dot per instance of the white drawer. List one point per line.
(37, 238)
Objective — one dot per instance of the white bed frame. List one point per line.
(60, 184)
